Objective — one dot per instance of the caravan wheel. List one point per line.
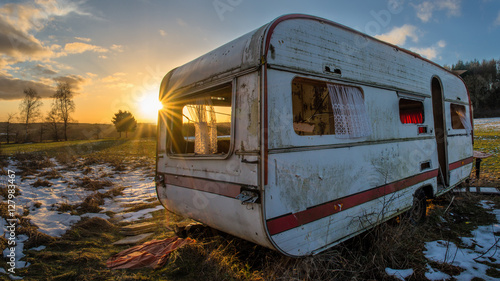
(417, 212)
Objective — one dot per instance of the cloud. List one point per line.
(79, 47)
(430, 52)
(13, 88)
(497, 20)
(398, 35)
(162, 32)
(43, 70)
(16, 44)
(75, 81)
(20, 21)
(83, 39)
(116, 48)
(426, 9)
(116, 80)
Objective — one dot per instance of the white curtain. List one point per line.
(460, 110)
(205, 127)
(349, 112)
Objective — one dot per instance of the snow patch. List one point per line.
(400, 274)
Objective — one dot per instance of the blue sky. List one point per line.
(115, 53)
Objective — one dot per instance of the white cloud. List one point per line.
(83, 39)
(398, 35)
(162, 32)
(497, 20)
(80, 47)
(426, 9)
(116, 48)
(430, 52)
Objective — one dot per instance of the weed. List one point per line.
(40, 182)
(50, 174)
(141, 206)
(91, 203)
(65, 207)
(115, 191)
(30, 163)
(93, 185)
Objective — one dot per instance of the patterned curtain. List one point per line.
(351, 118)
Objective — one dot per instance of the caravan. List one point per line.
(304, 133)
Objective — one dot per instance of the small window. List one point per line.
(459, 119)
(321, 108)
(201, 124)
(411, 111)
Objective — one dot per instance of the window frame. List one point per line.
(193, 92)
(452, 113)
(315, 80)
(408, 98)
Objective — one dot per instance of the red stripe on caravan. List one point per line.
(460, 163)
(221, 188)
(287, 222)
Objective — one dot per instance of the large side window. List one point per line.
(459, 119)
(411, 111)
(201, 124)
(321, 108)
(312, 110)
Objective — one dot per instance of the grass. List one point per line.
(488, 140)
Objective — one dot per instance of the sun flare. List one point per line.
(149, 107)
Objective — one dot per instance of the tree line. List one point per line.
(483, 82)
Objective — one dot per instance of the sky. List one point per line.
(114, 53)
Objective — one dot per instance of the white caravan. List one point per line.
(304, 133)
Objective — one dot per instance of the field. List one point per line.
(73, 197)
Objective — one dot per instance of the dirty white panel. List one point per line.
(303, 179)
(310, 45)
(330, 230)
(223, 213)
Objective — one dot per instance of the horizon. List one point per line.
(115, 54)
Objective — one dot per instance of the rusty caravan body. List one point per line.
(304, 133)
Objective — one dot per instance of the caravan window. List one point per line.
(201, 124)
(321, 108)
(459, 118)
(411, 111)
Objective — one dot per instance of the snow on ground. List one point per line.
(472, 256)
(43, 201)
(487, 123)
(400, 274)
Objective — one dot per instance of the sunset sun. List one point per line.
(149, 107)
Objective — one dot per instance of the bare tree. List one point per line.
(30, 108)
(52, 120)
(63, 105)
(8, 126)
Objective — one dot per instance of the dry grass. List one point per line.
(40, 182)
(93, 184)
(51, 174)
(31, 163)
